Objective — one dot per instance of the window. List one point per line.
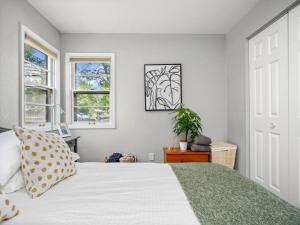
(39, 81)
(91, 90)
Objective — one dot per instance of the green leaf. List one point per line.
(186, 122)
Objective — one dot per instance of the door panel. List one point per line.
(268, 78)
(273, 42)
(258, 86)
(294, 95)
(274, 140)
(259, 155)
(274, 88)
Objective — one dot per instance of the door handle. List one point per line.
(272, 126)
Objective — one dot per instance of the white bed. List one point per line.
(109, 194)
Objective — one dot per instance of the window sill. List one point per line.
(45, 128)
(92, 126)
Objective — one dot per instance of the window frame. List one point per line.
(55, 82)
(70, 88)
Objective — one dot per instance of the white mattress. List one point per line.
(109, 194)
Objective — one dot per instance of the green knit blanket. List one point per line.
(220, 196)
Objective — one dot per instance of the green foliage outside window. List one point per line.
(92, 105)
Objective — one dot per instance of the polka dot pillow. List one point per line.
(45, 160)
(7, 208)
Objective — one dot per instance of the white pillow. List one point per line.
(15, 183)
(10, 159)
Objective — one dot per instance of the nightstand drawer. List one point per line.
(175, 156)
(187, 158)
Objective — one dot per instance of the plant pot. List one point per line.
(183, 145)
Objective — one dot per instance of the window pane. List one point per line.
(91, 114)
(37, 114)
(35, 56)
(91, 107)
(92, 76)
(38, 96)
(34, 74)
(89, 100)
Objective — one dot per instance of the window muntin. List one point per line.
(91, 79)
(39, 67)
(91, 93)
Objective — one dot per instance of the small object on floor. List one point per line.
(202, 140)
(128, 158)
(200, 148)
(115, 157)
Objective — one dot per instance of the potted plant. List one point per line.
(188, 123)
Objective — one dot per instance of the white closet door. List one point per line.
(294, 61)
(268, 64)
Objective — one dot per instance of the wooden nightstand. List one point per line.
(177, 156)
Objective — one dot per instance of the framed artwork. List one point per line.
(163, 87)
(63, 130)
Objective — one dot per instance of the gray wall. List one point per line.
(237, 66)
(13, 12)
(140, 132)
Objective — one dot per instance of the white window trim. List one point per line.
(69, 94)
(25, 30)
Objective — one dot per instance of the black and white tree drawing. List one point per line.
(162, 87)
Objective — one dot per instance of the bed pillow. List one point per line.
(15, 183)
(45, 160)
(7, 208)
(9, 156)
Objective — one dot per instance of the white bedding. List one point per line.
(109, 194)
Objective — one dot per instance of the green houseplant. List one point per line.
(188, 123)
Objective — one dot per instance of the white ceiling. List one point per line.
(144, 16)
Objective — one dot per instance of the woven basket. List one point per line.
(223, 153)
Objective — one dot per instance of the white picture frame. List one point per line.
(63, 130)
